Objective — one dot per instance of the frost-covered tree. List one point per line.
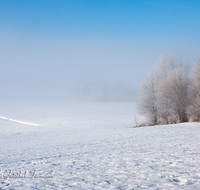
(172, 97)
(166, 65)
(193, 110)
(163, 95)
(146, 104)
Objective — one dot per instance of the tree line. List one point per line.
(169, 94)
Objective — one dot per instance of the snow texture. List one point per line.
(78, 145)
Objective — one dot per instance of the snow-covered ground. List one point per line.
(79, 145)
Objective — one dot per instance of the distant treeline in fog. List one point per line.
(97, 91)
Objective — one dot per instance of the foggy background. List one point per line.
(90, 50)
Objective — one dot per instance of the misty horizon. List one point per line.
(54, 49)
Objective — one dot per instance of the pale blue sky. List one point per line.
(54, 43)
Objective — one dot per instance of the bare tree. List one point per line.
(172, 96)
(163, 94)
(146, 104)
(193, 109)
(166, 65)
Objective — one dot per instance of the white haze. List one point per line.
(89, 69)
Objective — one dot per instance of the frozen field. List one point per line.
(79, 145)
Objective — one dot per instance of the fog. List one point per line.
(36, 67)
(91, 51)
(89, 69)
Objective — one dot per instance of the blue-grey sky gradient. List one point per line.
(52, 44)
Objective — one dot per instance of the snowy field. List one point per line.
(79, 145)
